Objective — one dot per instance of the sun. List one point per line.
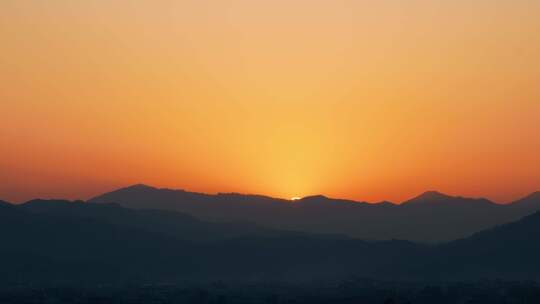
(295, 198)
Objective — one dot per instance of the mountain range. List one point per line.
(62, 242)
(431, 217)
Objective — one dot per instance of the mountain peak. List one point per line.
(315, 198)
(323, 200)
(384, 203)
(433, 195)
(139, 187)
(429, 197)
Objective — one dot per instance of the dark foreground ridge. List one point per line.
(431, 217)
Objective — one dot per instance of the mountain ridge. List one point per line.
(427, 195)
(5, 204)
(59, 241)
(430, 217)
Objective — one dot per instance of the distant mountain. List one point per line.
(429, 197)
(61, 242)
(530, 202)
(430, 217)
(434, 198)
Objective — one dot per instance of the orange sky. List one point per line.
(369, 100)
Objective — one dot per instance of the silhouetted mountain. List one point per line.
(384, 203)
(74, 242)
(37, 247)
(4, 204)
(429, 197)
(170, 223)
(78, 242)
(529, 202)
(432, 198)
(508, 251)
(430, 217)
(325, 202)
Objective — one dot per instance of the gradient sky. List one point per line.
(369, 100)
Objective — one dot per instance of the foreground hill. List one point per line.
(507, 251)
(430, 217)
(74, 242)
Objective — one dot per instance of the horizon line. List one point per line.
(292, 199)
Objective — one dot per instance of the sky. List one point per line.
(366, 100)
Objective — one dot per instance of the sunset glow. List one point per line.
(366, 100)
